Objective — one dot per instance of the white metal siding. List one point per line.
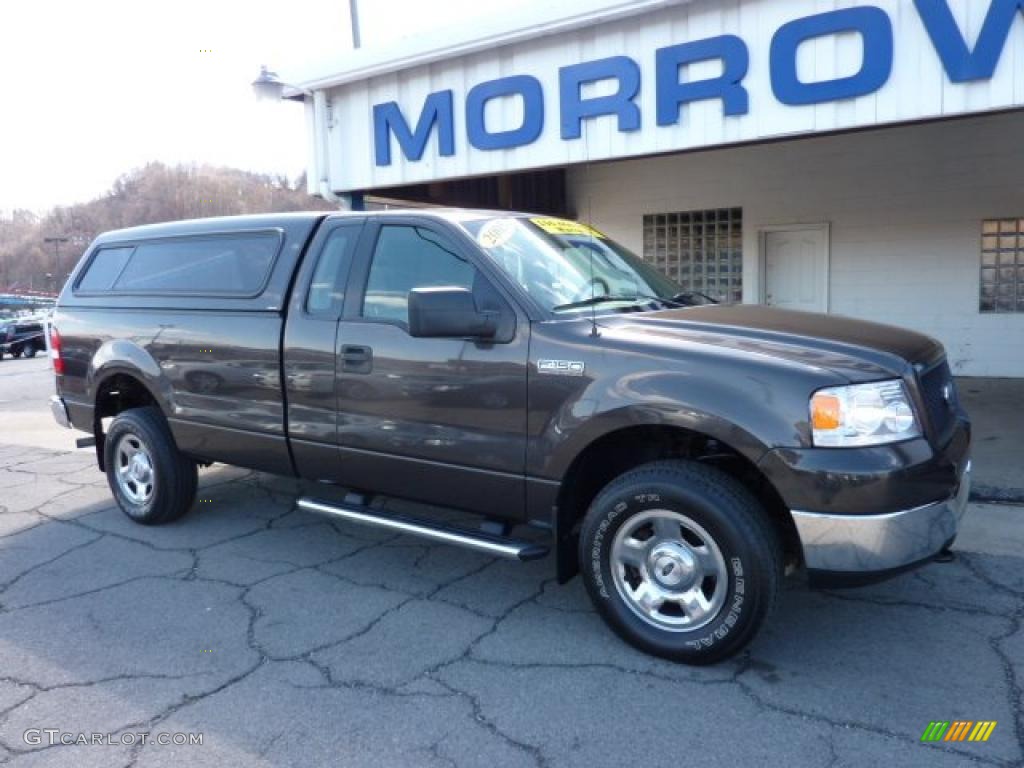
(905, 206)
(917, 88)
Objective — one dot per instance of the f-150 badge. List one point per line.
(560, 367)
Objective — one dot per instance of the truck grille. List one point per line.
(940, 406)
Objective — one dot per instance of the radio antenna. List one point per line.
(593, 283)
(590, 233)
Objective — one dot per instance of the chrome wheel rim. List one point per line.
(669, 570)
(136, 476)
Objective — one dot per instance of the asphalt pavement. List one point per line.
(282, 638)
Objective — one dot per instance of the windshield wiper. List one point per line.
(635, 298)
(685, 299)
(679, 301)
(674, 302)
(600, 299)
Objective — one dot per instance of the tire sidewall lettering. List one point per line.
(598, 545)
(613, 518)
(724, 624)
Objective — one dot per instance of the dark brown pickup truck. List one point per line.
(531, 371)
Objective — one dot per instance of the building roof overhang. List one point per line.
(535, 21)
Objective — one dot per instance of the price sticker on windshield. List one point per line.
(566, 227)
(496, 233)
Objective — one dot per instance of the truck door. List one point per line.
(441, 420)
(311, 330)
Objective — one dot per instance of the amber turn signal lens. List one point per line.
(825, 411)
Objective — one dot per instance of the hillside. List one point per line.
(146, 195)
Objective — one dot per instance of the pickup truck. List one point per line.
(682, 456)
(22, 337)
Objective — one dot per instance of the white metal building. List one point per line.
(858, 158)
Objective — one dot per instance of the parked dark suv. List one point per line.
(22, 338)
(533, 372)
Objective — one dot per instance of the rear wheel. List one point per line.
(16, 351)
(151, 481)
(30, 351)
(680, 560)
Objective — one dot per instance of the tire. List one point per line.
(16, 352)
(679, 531)
(161, 485)
(30, 351)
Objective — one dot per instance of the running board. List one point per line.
(512, 549)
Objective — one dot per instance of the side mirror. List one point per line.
(447, 311)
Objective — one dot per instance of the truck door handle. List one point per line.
(356, 359)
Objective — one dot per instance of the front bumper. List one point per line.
(868, 547)
(60, 411)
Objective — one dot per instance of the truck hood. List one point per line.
(855, 349)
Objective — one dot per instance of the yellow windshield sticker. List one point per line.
(565, 227)
(496, 233)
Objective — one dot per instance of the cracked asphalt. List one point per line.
(290, 639)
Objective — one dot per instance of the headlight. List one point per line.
(863, 414)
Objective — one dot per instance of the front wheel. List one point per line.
(680, 560)
(151, 481)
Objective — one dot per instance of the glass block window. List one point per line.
(701, 250)
(1002, 265)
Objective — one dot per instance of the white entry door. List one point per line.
(796, 268)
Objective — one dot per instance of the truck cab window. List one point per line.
(408, 257)
(327, 289)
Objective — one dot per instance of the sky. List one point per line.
(95, 89)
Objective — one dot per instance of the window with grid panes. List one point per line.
(700, 250)
(1002, 265)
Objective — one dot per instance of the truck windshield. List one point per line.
(569, 266)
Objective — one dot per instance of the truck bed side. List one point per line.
(211, 362)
